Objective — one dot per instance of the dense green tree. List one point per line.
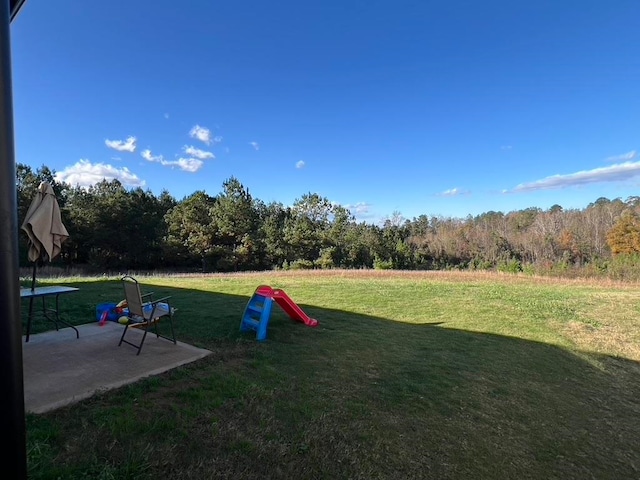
(273, 218)
(555, 208)
(305, 230)
(334, 253)
(113, 236)
(144, 226)
(362, 244)
(419, 226)
(80, 217)
(190, 231)
(235, 219)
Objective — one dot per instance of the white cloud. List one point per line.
(191, 165)
(359, 209)
(255, 145)
(146, 154)
(84, 174)
(300, 164)
(624, 157)
(128, 145)
(453, 192)
(615, 173)
(197, 153)
(201, 133)
(166, 115)
(506, 147)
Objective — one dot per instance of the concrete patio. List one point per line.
(60, 370)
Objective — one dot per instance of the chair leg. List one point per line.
(173, 334)
(172, 338)
(146, 330)
(137, 346)
(124, 331)
(155, 328)
(144, 335)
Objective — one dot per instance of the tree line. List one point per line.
(114, 228)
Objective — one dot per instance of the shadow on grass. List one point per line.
(356, 397)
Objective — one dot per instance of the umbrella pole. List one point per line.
(33, 278)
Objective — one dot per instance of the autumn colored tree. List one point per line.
(624, 237)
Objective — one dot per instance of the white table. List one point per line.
(44, 292)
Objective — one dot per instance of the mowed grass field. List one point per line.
(409, 375)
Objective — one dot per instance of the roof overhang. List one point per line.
(14, 8)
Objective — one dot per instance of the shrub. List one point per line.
(380, 264)
(510, 266)
(480, 264)
(624, 267)
(325, 260)
(301, 265)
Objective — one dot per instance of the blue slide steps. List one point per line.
(256, 316)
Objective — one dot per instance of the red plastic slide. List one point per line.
(290, 307)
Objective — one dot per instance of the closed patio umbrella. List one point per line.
(44, 227)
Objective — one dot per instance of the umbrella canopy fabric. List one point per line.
(43, 224)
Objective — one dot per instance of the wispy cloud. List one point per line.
(166, 115)
(624, 157)
(201, 133)
(255, 145)
(147, 155)
(359, 209)
(84, 174)
(453, 192)
(300, 164)
(128, 145)
(191, 165)
(197, 153)
(614, 173)
(506, 147)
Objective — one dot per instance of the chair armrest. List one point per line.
(150, 315)
(147, 294)
(160, 300)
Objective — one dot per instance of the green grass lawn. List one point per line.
(425, 375)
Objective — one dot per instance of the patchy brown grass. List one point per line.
(421, 275)
(609, 323)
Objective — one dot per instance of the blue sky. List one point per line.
(420, 107)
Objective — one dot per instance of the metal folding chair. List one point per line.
(144, 312)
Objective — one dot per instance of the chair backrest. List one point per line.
(133, 295)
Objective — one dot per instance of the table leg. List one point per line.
(45, 311)
(55, 317)
(58, 319)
